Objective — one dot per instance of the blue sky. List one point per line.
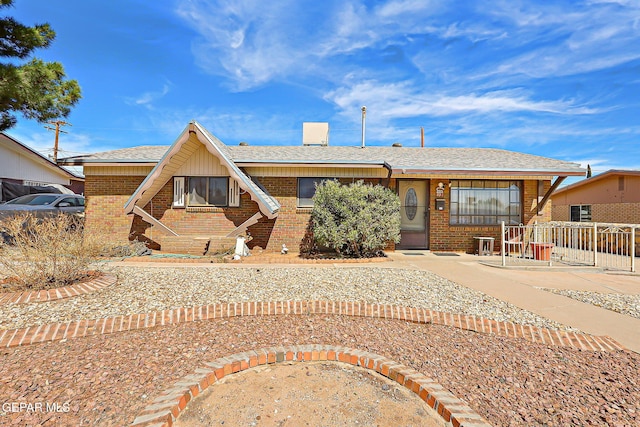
(556, 78)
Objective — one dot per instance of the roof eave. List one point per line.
(523, 172)
(595, 178)
(109, 162)
(145, 185)
(306, 164)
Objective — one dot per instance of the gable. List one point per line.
(610, 188)
(186, 154)
(19, 162)
(202, 163)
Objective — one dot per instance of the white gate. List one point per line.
(609, 246)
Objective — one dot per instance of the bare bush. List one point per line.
(43, 253)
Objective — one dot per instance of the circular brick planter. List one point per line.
(168, 406)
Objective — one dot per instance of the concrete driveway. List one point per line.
(522, 288)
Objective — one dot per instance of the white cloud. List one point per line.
(69, 144)
(252, 43)
(401, 100)
(395, 8)
(245, 41)
(148, 97)
(558, 41)
(627, 3)
(473, 32)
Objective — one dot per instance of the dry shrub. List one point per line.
(44, 253)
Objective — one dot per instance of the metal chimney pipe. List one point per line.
(364, 116)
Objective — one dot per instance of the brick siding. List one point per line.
(107, 195)
(446, 237)
(105, 200)
(620, 213)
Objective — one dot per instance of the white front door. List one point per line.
(413, 213)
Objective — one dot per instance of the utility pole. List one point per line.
(57, 130)
(364, 116)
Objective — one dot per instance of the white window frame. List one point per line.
(233, 199)
(179, 199)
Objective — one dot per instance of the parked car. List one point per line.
(44, 204)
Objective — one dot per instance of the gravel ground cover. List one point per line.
(620, 303)
(107, 380)
(141, 290)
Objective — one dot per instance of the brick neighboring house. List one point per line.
(200, 194)
(610, 197)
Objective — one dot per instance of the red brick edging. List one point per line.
(82, 328)
(164, 409)
(58, 293)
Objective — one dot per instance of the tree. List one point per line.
(357, 220)
(36, 89)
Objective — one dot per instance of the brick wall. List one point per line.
(105, 200)
(446, 237)
(106, 197)
(291, 227)
(621, 213)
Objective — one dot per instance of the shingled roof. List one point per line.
(408, 159)
(399, 159)
(141, 154)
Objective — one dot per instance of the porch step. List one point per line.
(196, 245)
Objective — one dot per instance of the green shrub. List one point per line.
(355, 220)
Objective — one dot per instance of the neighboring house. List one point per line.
(199, 194)
(24, 171)
(612, 197)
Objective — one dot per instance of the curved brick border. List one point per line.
(58, 293)
(82, 328)
(164, 409)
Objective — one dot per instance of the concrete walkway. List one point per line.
(520, 288)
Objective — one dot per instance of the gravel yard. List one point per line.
(620, 303)
(107, 380)
(141, 290)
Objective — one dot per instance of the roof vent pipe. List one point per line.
(364, 116)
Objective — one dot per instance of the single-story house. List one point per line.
(25, 171)
(610, 197)
(199, 194)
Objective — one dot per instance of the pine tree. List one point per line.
(36, 89)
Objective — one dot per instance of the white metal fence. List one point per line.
(609, 246)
